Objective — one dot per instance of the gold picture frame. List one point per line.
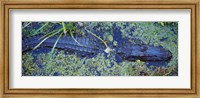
(193, 5)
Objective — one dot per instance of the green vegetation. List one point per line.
(71, 65)
(58, 63)
(66, 27)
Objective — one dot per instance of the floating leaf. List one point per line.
(115, 43)
(108, 50)
(109, 38)
(162, 23)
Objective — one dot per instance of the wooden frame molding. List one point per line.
(101, 4)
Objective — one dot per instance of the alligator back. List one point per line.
(87, 46)
(67, 43)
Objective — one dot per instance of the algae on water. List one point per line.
(60, 63)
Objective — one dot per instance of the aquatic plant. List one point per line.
(163, 34)
(66, 27)
(28, 66)
(61, 64)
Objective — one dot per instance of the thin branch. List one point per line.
(104, 42)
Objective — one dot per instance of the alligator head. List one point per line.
(144, 53)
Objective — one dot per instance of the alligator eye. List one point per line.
(143, 48)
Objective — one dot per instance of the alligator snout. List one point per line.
(146, 53)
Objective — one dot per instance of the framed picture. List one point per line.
(100, 48)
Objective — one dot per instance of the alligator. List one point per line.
(88, 47)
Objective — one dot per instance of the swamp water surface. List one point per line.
(99, 48)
